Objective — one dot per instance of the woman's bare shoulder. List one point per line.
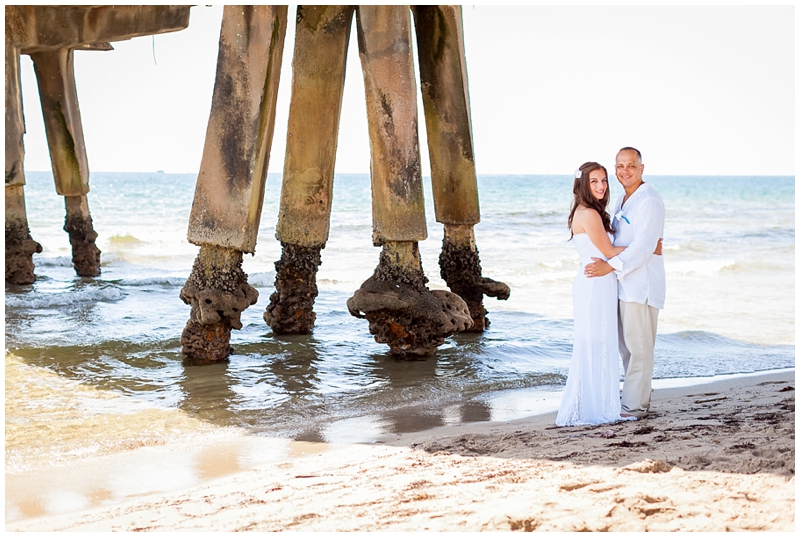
(586, 213)
(584, 219)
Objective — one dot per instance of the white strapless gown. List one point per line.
(591, 396)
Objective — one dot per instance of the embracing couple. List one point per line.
(616, 295)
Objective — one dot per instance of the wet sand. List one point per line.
(711, 457)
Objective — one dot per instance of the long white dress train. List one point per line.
(591, 395)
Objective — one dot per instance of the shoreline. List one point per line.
(712, 456)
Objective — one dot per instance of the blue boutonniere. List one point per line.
(620, 216)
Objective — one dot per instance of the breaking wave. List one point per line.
(107, 293)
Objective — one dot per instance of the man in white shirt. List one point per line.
(638, 221)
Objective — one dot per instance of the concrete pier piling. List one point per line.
(445, 97)
(55, 76)
(401, 311)
(318, 71)
(226, 210)
(15, 122)
(384, 41)
(62, 119)
(20, 247)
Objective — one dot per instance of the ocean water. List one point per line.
(93, 365)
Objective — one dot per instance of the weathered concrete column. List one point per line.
(445, 96)
(318, 71)
(230, 186)
(401, 311)
(226, 211)
(55, 75)
(19, 245)
(15, 122)
(384, 42)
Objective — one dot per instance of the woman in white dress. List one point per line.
(591, 395)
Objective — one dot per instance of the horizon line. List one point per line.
(549, 174)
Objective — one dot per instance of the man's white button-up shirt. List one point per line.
(638, 225)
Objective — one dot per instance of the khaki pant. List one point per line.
(637, 338)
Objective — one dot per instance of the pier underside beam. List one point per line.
(445, 97)
(48, 27)
(59, 97)
(226, 211)
(318, 72)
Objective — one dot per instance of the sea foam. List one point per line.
(49, 300)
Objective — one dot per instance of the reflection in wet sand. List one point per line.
(90, 483)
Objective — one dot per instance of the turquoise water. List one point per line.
(729, 254)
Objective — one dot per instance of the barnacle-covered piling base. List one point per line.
(402, 312)
(20, 247)
(218, 292)
(460, 267)
(291, 306)
(82, 236)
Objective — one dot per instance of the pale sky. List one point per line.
(706, 90)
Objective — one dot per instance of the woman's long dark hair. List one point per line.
(583, 196)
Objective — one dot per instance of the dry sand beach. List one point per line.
(712, 457)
